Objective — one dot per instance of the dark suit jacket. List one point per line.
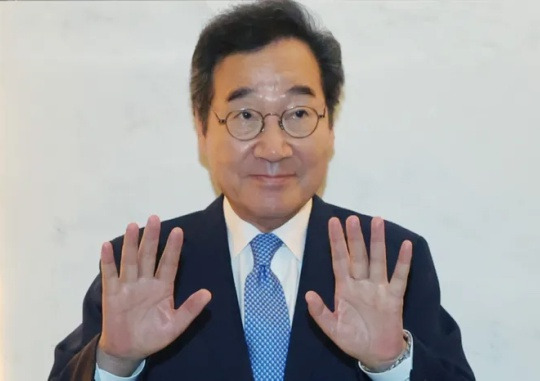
(214, 348)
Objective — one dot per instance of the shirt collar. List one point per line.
(292, 233)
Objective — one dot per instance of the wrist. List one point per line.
(118, 366)
(384, 366)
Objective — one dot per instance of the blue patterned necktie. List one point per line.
(266, 317)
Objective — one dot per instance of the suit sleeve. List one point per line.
(438, 351)
(75, 356)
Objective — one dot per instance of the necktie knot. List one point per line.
(264, 246)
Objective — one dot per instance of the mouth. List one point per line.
(270, 180)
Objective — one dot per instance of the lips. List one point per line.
(272, 176)
(272, 179)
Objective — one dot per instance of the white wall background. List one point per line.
(439, 131)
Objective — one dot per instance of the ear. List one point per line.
(201, 136)
(331, 139)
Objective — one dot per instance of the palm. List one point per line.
(146, 306)
(139, 317)
(367, 319)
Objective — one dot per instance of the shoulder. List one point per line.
(193, 224)
(394, 233)
(191, 221)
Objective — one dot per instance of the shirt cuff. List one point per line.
(401, 372)
(103, 375)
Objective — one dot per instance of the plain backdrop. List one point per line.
(438, 131)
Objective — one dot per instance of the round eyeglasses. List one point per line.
(247, 124)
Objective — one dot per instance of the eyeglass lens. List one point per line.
(247, 123)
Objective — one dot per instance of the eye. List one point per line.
(299, 114)
(246, 115)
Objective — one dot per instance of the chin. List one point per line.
(282, 206)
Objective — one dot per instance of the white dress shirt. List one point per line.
(286, 264)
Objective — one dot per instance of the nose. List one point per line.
(272, 143)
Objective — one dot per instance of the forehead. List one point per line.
(269, 73)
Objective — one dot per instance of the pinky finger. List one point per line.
(109, 273)
(398, 283)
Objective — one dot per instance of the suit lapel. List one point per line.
(307, 340)
(223, 330)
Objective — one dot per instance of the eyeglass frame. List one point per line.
(280, 121)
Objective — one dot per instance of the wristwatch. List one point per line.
(402, 357)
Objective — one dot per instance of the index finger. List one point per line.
(168, 264)
(398, 282)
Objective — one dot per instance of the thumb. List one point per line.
(321, 314)
(191, 308)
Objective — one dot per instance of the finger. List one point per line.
(359, 264)
(109, 274)
(168, 264)
(377, 260)
(148, 248)
(321, 314)
(398, 283)
(191, 308)
(128, 263)
(338, 246)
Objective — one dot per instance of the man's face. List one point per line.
(267, 179)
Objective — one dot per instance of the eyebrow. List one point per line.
(239, 93)
(301, 90)
(245, 91)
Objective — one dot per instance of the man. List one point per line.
(273, 283)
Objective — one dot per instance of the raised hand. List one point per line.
(367, 322)
(139, 317)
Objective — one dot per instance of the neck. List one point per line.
(265, 223)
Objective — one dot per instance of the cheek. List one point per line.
(314, 161)
(227, 158)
